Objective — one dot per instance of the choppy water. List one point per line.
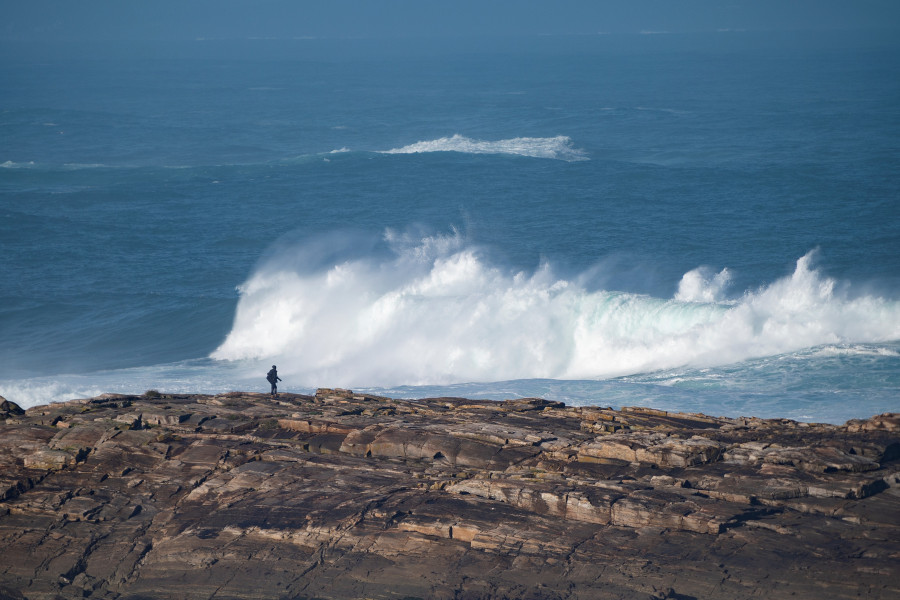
(704, 223)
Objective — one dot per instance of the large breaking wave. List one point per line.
(434, 310)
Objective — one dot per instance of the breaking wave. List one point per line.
(559, 147)
(434, 310)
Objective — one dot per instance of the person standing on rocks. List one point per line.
(273, 378)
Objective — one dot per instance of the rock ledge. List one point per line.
(343, 495)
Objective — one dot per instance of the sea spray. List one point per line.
(203, 376)
(435, 310)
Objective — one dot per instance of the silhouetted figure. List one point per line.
(273, 378)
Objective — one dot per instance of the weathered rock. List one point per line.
(657, 449)
(345, 495)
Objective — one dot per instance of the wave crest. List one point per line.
(436, 311)
(559, 147)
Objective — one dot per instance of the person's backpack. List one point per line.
(270, 377)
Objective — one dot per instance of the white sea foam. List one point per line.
(16, 165)
(855, 350)
(437, 312)
(559, 147)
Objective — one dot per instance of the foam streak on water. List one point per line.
(436, 311)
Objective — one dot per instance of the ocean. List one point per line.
(703, 222)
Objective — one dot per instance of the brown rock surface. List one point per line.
(352, 496)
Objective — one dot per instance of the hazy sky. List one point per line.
(191, 19)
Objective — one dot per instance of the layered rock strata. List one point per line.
(343, 495)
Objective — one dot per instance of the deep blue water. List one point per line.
(704, 222)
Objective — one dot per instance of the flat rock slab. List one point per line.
(344, 495)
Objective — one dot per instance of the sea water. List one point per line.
(705, 222)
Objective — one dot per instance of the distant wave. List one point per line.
(435, 311)
(559, 147)
(17, 165)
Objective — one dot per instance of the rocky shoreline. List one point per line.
(343, 495)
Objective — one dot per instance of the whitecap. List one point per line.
(559, 147)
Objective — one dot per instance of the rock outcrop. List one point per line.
(343, 495)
